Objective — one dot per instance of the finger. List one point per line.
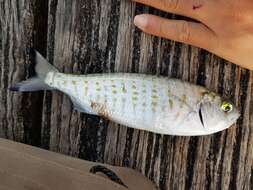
(196, 9)
(191, 33)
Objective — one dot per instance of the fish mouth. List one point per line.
(234, 119)
(201, 116)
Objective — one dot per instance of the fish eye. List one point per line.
(226, 107)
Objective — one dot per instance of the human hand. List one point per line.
(225, 27)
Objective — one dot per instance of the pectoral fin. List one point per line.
(83, 109)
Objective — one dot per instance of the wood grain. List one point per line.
(84, 36)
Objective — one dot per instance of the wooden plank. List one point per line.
(13, 66)
(99, 36)
(20, 114)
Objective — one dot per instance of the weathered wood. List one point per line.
(99, 36)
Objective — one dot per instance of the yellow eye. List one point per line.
(226, 107)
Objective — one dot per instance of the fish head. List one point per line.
(217, 114)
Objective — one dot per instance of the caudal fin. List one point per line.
(41, 68)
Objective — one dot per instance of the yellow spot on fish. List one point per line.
(134, 87)
(135, 93)
(64, 82)
(86, 82)
(211, 95)
(113, 86)
(114, 91)
(97, 83)
(154, 104)
(154, 91)
(98, 89)
(155, 97)
(73, 82)
(124, 89)
(183, 101)
(135, 98)
(170, 103)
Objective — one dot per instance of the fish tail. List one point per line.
(40, 69)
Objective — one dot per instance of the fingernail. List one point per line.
(141, 21)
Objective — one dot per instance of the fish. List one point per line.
(146, 102)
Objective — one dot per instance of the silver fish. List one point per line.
(157, 104)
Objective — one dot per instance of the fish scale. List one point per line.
(157, 104)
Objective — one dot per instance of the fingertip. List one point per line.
(141, 21)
